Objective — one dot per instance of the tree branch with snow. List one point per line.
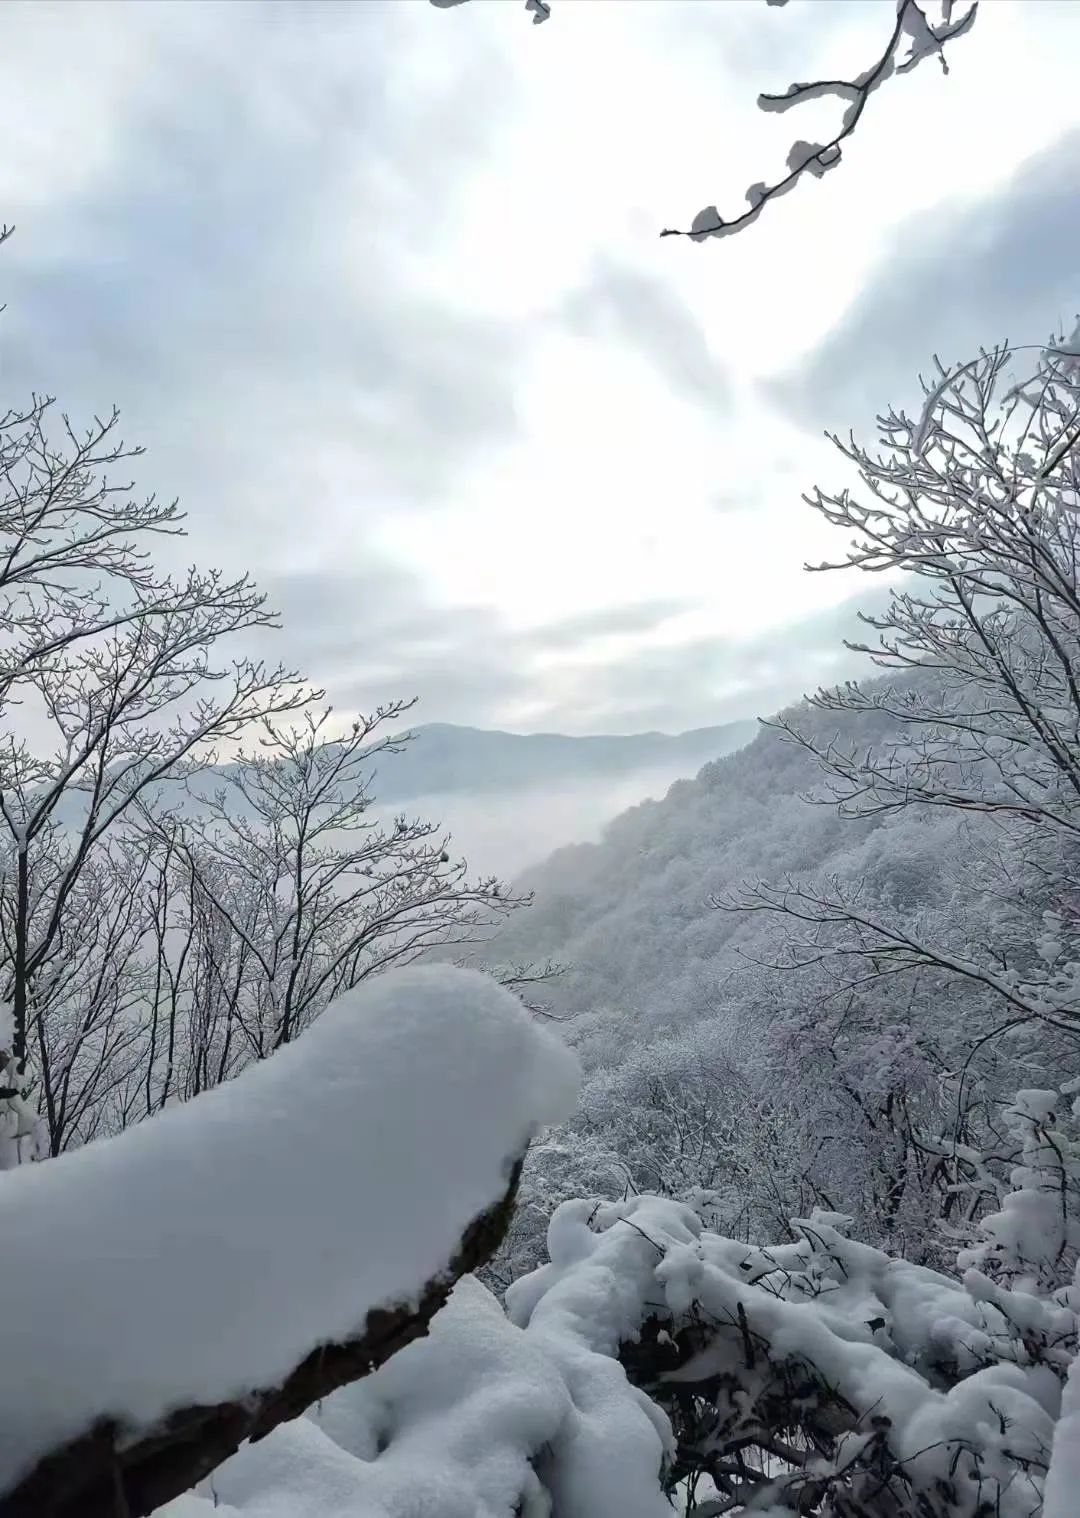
(924, 39)
(914, 36)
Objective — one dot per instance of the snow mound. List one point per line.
(481, 1419)
(203, 1254)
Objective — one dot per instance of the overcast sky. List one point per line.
(380, 288)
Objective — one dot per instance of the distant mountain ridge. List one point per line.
(443, 758)
(507, 799)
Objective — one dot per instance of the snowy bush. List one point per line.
(652, 1359)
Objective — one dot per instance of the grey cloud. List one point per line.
(760, 47)
(374, 634)
(959, 277)
(775, 42)
(706, 681)
(448, 690)
(610, 621)
(259, 218)
(330, 622)
(251, 232)
(717, 679)
(647, 316)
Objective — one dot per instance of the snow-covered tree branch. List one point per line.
(971, 507)
(916, 34)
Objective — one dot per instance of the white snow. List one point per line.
(531, 1414)
(460, 1424)
(204, 1253)
(870, 1326)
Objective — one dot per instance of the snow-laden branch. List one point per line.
(913, 37)
(923, 39)
(1063, 1477)
(216, 1268)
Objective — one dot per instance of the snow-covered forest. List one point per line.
(729, 1164)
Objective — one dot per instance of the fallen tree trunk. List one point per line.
(110, 1473)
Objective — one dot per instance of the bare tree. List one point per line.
(116, 675)
(975, 503)
(285, 888)
(88, 992)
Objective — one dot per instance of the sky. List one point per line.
(379, 287)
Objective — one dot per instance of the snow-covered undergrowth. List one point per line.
(819, 1376)
(201, 1255)
(477, 1420)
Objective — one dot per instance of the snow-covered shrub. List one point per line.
(825, 1376)
(653, 1360)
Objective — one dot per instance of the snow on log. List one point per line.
(190, 1283)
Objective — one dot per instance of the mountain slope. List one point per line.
(631, 914)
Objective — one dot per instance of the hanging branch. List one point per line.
(816, 158)
(926, 39)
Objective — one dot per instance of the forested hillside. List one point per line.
(705, 1032)
(631, 916)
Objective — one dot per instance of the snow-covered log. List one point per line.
(191, 1283)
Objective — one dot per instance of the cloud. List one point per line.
(771, 46)
(374, 635)
(718, 679)
(617, 303)
(608, 621)
(959, 277)
(464, 664)
(382, 293)
(237, 278)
